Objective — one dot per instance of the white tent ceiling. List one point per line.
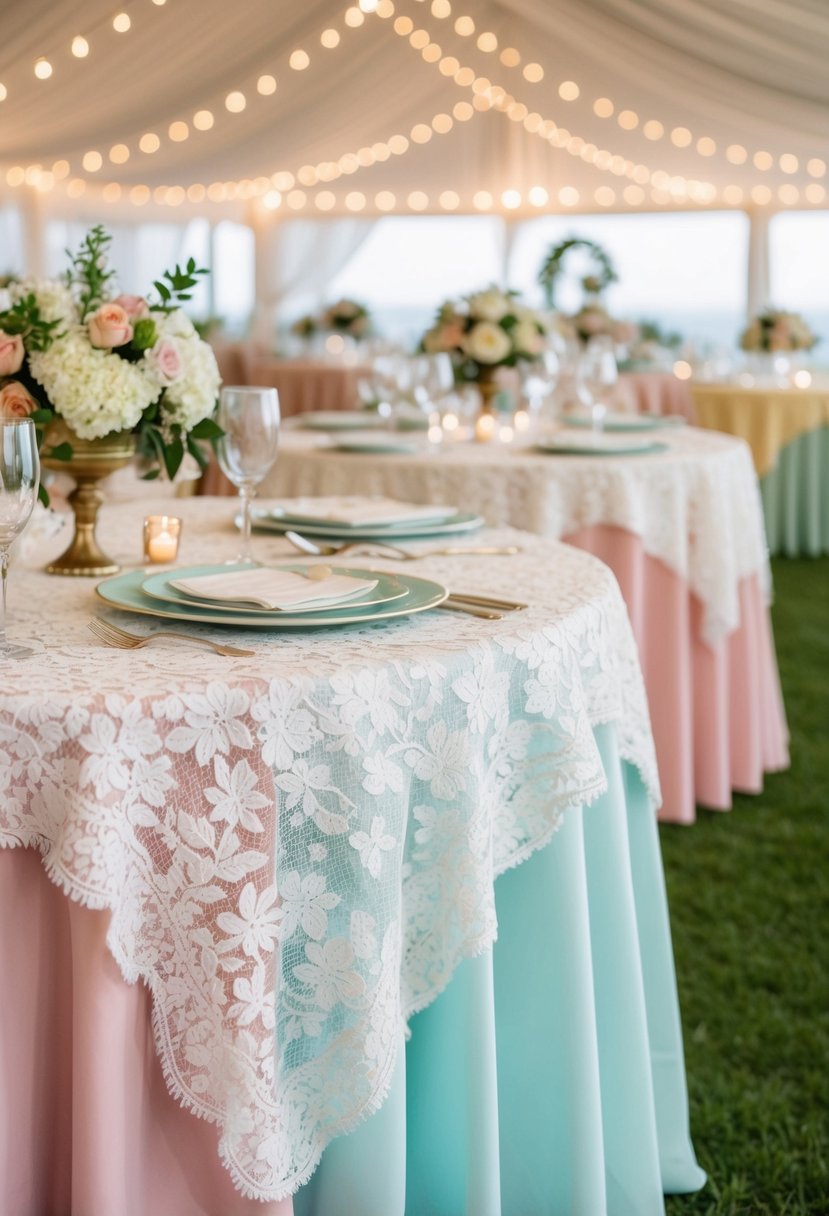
(734, 74)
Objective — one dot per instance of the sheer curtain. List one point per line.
(296, 260)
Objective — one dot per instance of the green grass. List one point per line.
(749, 901)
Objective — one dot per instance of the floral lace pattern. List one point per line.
(696, 507)
(299, 848)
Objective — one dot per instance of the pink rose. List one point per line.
(15, 401)
(165, 360)
(109, 327)
(12, 353)
(136, 307)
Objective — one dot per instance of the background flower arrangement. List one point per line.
(593, 320)
(347, 317)
(72, 350)
(485, 330)
(775, 331)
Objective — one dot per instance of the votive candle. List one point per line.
(161, 537)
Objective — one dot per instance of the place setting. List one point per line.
(359, 518)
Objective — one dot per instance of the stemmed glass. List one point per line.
(538, 379)
(598, 374)
(246, 451)
(19, 480)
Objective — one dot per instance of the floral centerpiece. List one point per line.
(777, 332)
(89, 366)
(484, 331)
(593, 320)
(346, 317)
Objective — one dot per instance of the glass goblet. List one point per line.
(249, 417)
(599, 375)
(19, 481)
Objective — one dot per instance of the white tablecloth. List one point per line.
(408, 764)
(696, 506)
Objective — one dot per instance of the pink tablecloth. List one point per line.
(655, 393)
(94, 1130)
(717, 711)
(302, 384)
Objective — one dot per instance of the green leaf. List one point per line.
(207, 429)
(197, 452)
(173, 456)
(63, 451)
(43, 494)
(41, 417)
(151, 475)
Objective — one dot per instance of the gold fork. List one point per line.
(111, 635)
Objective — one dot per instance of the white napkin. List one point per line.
(356, 510)
(274, 589)
(599, 443)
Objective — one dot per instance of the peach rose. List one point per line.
(165, 360)
(136, 307)
(12, 353)
(15, 401)
(109, 327)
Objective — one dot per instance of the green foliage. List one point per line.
(652, 331)
(144, 334)
(89, 274)
(749, 893)
(553, 266)
(24, 318)
(178, 286)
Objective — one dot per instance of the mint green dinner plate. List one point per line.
(628, 422)
(124, 591)
(159, 587)
(551, 448)
(369, 446)
(339, 420)
(461, 522)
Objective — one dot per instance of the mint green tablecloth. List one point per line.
(548, 1078)
(795, 497)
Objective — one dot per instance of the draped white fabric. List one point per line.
(750, 72)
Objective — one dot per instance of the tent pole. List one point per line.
(759, 278)
(265, 235)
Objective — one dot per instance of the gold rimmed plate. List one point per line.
(124, 592)
(160, 587)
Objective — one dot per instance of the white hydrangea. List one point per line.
(192, 396)
(94, 391)
(54, 299)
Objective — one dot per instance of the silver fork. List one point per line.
(111, 635)
(378, 548)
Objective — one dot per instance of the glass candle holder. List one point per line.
(161, 537)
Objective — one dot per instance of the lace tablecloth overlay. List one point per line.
(298, 848)
(696, 506)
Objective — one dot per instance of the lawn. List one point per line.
(749, 897)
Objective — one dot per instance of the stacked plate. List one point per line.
(339, 420)
(598, 445)
(352, 518)
(627, 422)
(272, 597)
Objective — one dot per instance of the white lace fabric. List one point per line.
(696, 507)
(299, 848)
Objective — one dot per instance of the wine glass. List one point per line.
(246, 451)
(538, 379)
(19, 481)
(599, 375)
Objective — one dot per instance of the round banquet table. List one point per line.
(654, 392)
(304, 856)
(683, 532)
(787, 430)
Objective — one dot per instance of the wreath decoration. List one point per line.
(592, 283)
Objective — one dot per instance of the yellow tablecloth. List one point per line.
(768, 419)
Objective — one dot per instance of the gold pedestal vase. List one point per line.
(91, 461)
(488, 390)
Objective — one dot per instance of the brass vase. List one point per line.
(488, 390)
(92, 460)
